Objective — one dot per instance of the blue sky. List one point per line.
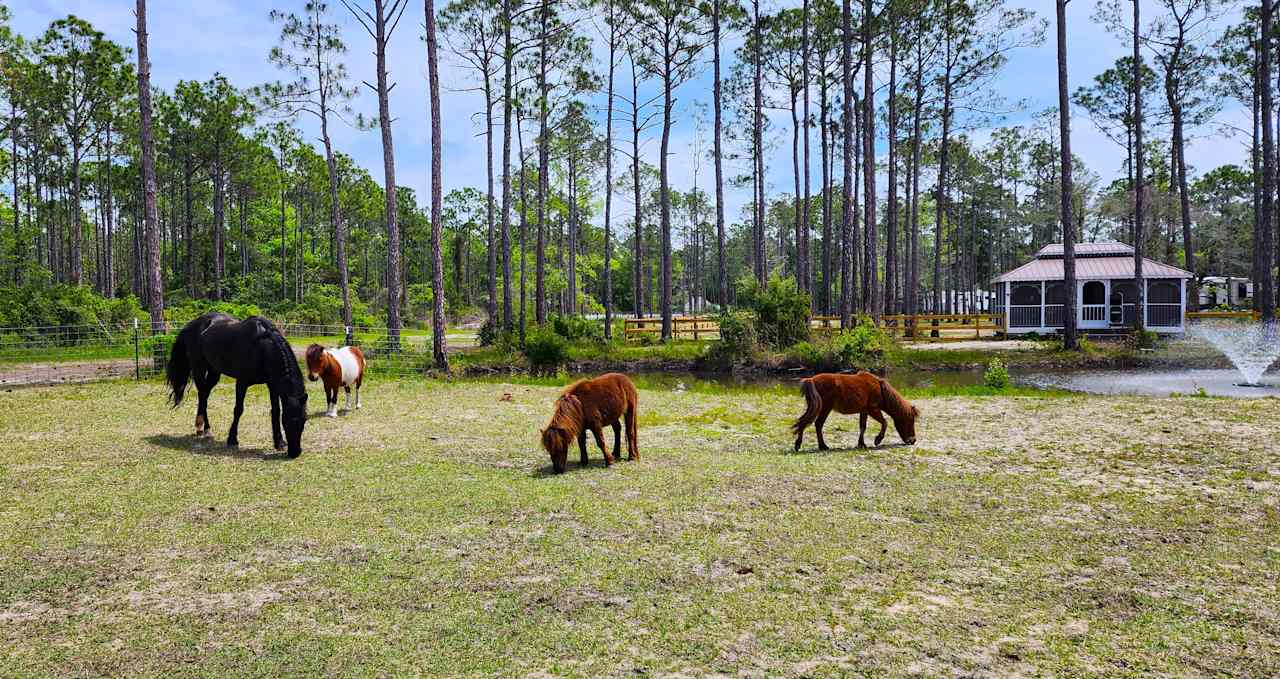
(191, 40)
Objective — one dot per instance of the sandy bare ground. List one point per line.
(58, 372)
(1024, 536)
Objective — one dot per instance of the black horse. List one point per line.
(253, 352)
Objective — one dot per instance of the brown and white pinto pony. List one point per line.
(591, 405)
(341, 367)
(863, 393)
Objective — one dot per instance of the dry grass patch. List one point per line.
(424, 535)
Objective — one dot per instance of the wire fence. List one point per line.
(82, 353)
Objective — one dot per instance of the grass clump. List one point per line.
(996, 375)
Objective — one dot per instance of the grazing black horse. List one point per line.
(253, 352)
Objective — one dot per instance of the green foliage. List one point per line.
(545, 349)
(189, 309)
(42, 305)
(997, 375)
(738, 340)
(1145, 339)
(577, 329)
(781, 310)
(862, 346)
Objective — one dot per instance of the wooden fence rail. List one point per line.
(948, 327)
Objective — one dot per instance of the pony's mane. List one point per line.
(314, 352)
(894, 403)
(291, 374)
(568, 413)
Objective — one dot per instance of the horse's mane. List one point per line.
(314, 352)
(568, 413)
(565, 423)
(894, 403)
(291, 374)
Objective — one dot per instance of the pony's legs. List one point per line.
(359, 383)
(879, 417)
(633, 442)
(582, 445)
(347, 387)
(818, 424)
(277, 440)
(204, 385)
(617, 440)
(862, 430)
(599, 434)
(331, 401)
(233, 438)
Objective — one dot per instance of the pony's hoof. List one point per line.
(330, 414)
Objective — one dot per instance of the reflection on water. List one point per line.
(1155, 383)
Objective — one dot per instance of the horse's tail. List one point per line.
(812, 404)
(179, 368)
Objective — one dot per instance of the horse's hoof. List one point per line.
(279, 447)
(824, 448)
(233, 444)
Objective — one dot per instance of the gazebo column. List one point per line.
(1043, 321)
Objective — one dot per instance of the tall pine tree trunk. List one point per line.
(718, 105)
(1064, 149)
(438, 347)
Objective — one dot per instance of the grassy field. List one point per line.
(422, 535)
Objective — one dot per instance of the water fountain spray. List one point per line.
(1251, 347)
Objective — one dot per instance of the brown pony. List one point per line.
(590, 405)
(341, 367)
(862, 393)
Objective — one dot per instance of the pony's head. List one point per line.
(559, 433)
(294, 418)
(315, 361)
(900, 409)
(906, 425)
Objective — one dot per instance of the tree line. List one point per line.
(209, 190)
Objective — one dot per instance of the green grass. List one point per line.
(1026, 534)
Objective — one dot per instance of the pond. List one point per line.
(1155, 382)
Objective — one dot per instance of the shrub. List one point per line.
(185, 311)
(545, 350)
(1145, 339)
(738, 340)
(488, 333)
(577, 329)
(997, 375)
(781, 310)
(862, 346)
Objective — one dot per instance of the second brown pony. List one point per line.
(862, 393)
(591, 405)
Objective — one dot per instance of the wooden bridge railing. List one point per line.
(922, 327)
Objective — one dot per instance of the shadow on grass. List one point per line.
(548, 471)
(209, 447)
(813, 450)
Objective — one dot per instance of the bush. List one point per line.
(577, 329)
(1145, 339)
(997, 375)
(781, 310)
(39, 304)
(488, 333)
(545, 350)
(738, 340)
(862, 346)
(192, 308)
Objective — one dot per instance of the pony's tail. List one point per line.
(179, 368)
(812, 404)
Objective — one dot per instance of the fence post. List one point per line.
(137, 365)
(346, 341)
